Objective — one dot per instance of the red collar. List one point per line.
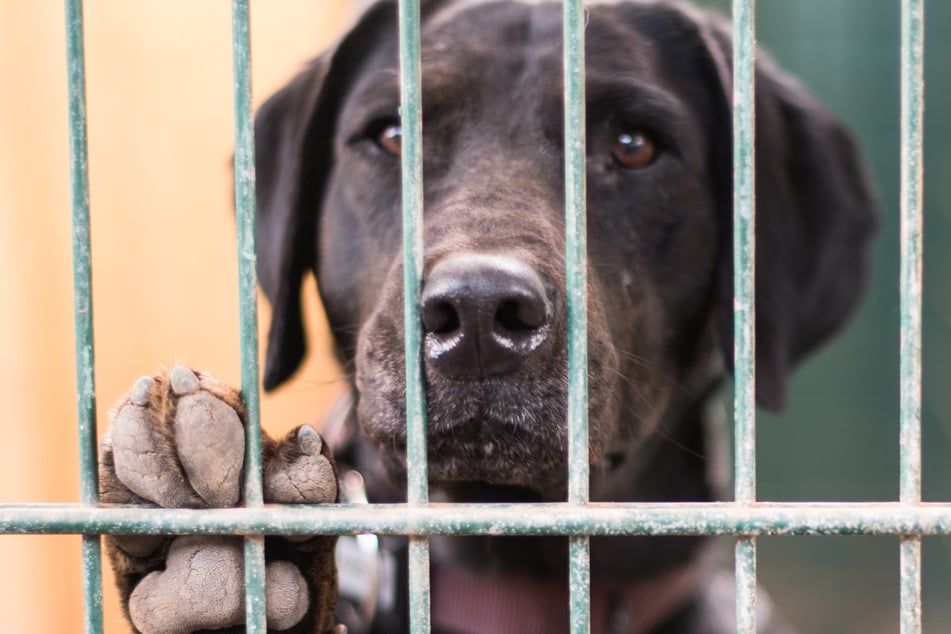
(469, 603)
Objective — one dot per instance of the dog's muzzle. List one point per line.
(483, 315)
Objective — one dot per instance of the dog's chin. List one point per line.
(502, 460)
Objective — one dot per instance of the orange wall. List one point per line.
(160, 136)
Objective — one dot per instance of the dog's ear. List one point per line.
(815, 215)
(293, 138)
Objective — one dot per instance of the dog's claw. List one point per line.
(139, 395)
(183, 380)
(309, 441)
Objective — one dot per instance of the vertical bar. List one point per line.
(576, 280)
(255, 610)
(912, 114)
(82, 290)
(744, 204)
(412, 191)
(910, 584)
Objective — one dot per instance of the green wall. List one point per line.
(838, 439)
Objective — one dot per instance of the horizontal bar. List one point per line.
(716, 518)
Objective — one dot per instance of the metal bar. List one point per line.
(744, 250)
(910, 584)
(579, 584)
(576, 252)
(912, 176)
(745, 554)
(82, 290)
(255, 613)
(411, 120)
(579, 581)
(412, 166)
(712, 518)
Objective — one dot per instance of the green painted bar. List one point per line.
(576, 287)
(579, 584)
(744, 202)
(745, 556)
(247, 247)
(744, 249)
(576, 251)
(912, 176)
(716, 518)
(256, 618)
(411, 119)
(82, 290)
(910, 584)
(419, 604)
(92, 584)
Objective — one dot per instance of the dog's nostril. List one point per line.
(440, 318)
(520, 316)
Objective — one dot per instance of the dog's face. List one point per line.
(493, 296)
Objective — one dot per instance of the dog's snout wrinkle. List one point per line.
(483, 314)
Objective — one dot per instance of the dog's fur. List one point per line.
(660, 273)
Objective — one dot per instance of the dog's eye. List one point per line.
(634, 149)
(389, 138)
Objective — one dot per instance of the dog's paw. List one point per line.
(177, 441)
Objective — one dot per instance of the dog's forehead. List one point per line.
(529, 33)
(453, 9)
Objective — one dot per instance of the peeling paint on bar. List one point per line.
(745, 554)
(576, 251)
(717, 518)
(744, 250)
(910, 585)
(419, 606)
(912, 175)
(579, 583)
(244, 181)
(83, 315)
(411, 120)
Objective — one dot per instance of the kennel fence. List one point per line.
(745, 518)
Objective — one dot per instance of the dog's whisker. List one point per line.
(655, 368)
(637, 390)
(661, 429)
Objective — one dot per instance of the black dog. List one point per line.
(659, 193)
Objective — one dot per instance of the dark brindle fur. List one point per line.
(660, 261)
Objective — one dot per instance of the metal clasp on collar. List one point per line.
(366, 574)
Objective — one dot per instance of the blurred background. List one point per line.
(160, 137)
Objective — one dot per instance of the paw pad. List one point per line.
(183, 380)
(178, 444)
(202, 587)
(301, 473)
(139, 395)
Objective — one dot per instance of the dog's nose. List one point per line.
(483, 314)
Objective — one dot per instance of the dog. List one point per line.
(493, 304)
